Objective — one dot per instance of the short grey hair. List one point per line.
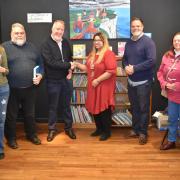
(14, 25)
(58, 21)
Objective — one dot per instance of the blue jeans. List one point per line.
(59, 93)
(139, 97)
(173, 116)
(4, 95)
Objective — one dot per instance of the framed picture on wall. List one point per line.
(109, 16)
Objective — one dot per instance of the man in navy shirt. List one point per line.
(22, 57)
(139, 62)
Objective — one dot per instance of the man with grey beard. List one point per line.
(22, 58)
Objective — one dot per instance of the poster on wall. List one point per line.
(111, 17)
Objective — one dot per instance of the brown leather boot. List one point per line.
(168, 145)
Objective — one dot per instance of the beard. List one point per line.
(56, 38)
(19, 42)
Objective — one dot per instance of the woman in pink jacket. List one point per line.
(169, 78)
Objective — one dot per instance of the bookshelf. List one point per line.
(120, 117)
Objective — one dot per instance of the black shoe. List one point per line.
(2, 155)
(104, 137)
(12, 144)
(51, 135)
(35, 140)
(96, 133)
(142, 139)
(71, 134)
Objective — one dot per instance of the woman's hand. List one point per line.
(2, 69)
(95, 82)
(171, 86)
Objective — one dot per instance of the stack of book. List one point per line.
(80, 114)
(122, 118)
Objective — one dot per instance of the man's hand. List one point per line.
(72, 65)
(129, 69)
(37, 80)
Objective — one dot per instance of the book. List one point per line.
(79, 50)
(121, 48)
(35, 71)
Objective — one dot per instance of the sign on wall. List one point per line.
(39, 17)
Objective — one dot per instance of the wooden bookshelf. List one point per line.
(123, 102)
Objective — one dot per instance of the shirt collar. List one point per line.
(177, 53)
(135, 39)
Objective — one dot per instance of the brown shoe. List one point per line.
(169, 145)
(132, 134)
(142, 139)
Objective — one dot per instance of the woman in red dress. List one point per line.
(101, 74)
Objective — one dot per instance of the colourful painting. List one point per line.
(90, 16)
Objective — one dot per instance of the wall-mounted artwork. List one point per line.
(90, 16)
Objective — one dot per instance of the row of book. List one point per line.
(121, 99)
(120, 87)
(80, 114)
(79, 80)
(79, 96)
(122, 118)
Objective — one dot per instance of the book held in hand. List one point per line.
(35, 71)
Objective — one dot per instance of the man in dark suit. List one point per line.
(57, 57)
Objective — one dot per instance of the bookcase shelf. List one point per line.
(121, 116)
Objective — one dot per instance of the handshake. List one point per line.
(73, 65)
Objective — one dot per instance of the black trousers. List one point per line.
(26, 98)
(103, 121)
(59, 93)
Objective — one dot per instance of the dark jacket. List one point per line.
(55, 67)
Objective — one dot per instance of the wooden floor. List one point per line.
(89, 159)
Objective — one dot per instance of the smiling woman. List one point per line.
(101, 72)
(169, 78)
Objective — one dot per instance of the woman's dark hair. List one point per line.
(177, 33)
(171, 51)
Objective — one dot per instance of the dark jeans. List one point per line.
(103, 121)
(139, 97)
(59, 91)
(26, 98)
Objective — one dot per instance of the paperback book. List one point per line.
(121, 48)
(79, 50)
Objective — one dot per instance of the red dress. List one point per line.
(99, 98)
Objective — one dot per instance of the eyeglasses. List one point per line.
(97, 40)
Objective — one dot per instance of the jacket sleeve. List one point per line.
(161, 74)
